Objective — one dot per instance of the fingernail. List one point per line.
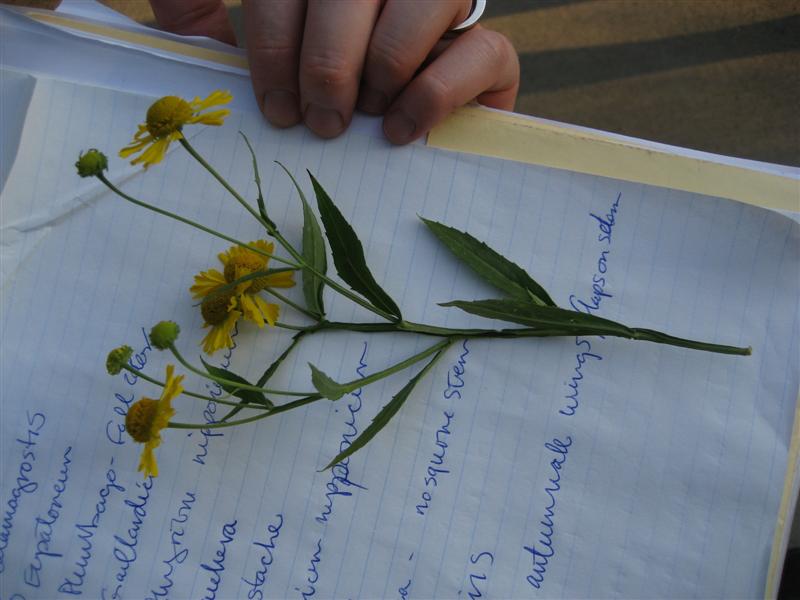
(372, 101)
(281, 108)
(325, 122)
(399, 127)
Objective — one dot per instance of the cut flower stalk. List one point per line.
(232, 293)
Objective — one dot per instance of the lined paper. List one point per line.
(658, 472)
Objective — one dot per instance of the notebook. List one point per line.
(560, 467)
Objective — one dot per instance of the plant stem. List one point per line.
(294, 305)
(571, 331)
(190, 149)
(184, 392)
(229, 382)
(282, 240)
(403, 364)
(273, 411)
(290, 327)
(191, 223)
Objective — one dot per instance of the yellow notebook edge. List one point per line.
(474, 130)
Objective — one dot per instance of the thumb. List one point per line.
(194, 17)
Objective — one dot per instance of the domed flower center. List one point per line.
(167, 115)
(215, 308)
(139, 420)
(246, 264)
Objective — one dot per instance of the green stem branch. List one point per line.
(274, 411)
(237, 385)
(191, 223)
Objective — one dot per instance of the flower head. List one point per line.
(164, 333)
(164, 124)
(147, 417)
(117, 359)
(91, 163)
(221, 309)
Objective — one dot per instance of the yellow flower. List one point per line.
(147, 417)
(165, 120)
(221, 311)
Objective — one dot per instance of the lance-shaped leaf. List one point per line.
(546, 321)
(384, 416)
(550, 318)
(348, 254)
(490, 265)
(313, 253)
(262, 209)
(246, 396)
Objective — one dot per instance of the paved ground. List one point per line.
(717, 75)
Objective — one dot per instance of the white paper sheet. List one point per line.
(671, 468)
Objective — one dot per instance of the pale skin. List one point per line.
(317, 61)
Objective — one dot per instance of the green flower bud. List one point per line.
(117, 359)
(164, 334)
(91, 163)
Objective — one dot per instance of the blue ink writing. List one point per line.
(545, 551)
(115, 428)
(606, 223)
(266, 558)
(598, 294)
(340, 472)
(73, 583)
(23, 484)
(209, 414)
(125, 545)
(476, 580)
(218, 562)
(177, 529)
(309, 588)
(43, 525)
(436, 463)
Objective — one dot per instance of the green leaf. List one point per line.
(384, 416)
(348, 254)
(313, 253)
(325, 385)
(559, 320)
(261, 206)
(265, 377)
(490, 265)
(246, 396)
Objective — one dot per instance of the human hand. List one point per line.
(315, 61)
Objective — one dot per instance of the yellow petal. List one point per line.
(154, 153)
(206, 282)
(134, 147)
(284, 279)
(251, 309)
(270, 311)
(147, 462)
(215, 98)
(216, 117)
(220, 335)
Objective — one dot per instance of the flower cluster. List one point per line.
(226, 297)
(164, 125)
(233, 291)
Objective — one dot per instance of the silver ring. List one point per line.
(478, 6)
